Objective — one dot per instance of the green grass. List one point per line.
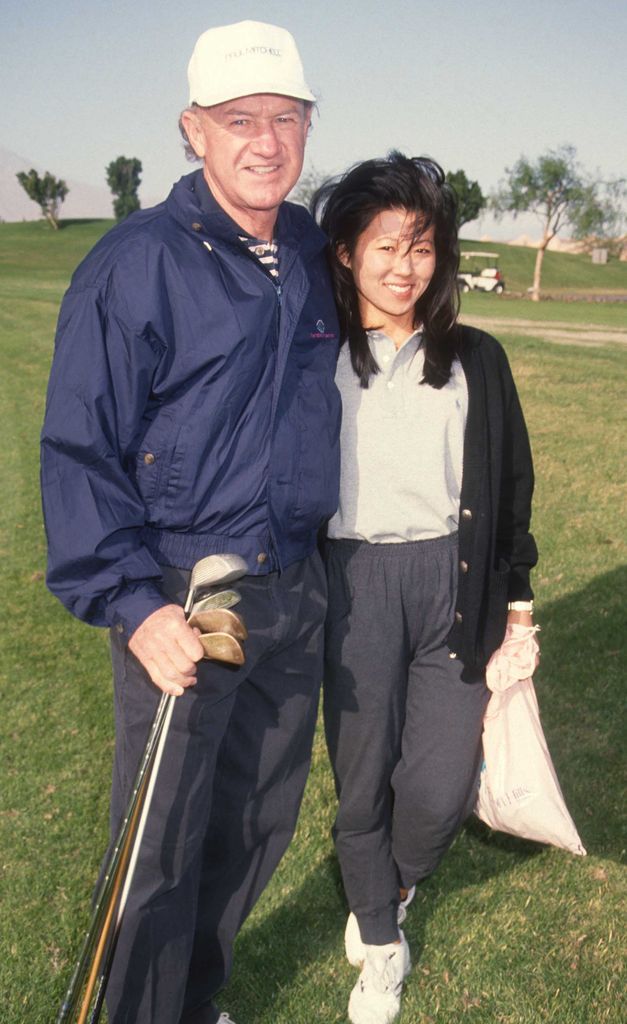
(562, 273)
(506, 932)
(577, 314)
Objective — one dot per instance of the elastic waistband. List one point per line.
(404, 549)
(182, 550)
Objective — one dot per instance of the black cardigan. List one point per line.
(496, 549)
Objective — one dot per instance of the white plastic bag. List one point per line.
(519, 792)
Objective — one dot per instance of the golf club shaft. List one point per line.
(110, 884)
(106, 938)
(104, 957)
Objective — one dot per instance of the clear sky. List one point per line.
(472, 84)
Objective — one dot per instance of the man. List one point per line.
(192, 411)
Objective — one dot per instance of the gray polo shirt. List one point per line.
(402, 447)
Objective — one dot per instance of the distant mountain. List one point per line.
(83, 201)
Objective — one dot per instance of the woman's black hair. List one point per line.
(345, 206)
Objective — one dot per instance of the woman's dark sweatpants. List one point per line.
(226, 799)
(403, 719)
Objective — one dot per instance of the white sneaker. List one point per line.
(403, 905)
(355, 948)
(225, 1019)
(376, 998)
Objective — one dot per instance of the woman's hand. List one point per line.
(520, 618)
(523, 619)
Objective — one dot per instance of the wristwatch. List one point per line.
(520, 606)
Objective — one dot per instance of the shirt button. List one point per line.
(459, 617)
(385, 359)
(149, 458)
(262, 557)
(464, 566)
(466, 513)
(390, 384)
(452, 654)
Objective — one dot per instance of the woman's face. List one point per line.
(392, 267)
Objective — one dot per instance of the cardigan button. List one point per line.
(262, 557)
(459, 617)
(452, 655)
(466, 513)
(149, 458)
(464, 567)
(196, 226)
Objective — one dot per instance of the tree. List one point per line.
(603, 222)
(48, 192)
(559, 193)
(307, 184)
(123, 178)
(470, 199)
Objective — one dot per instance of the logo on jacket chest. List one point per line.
(321, 331)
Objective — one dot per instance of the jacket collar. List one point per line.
(194, 207)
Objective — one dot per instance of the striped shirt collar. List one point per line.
(266, 252)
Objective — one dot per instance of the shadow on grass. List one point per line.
(305, 928)
(580, 686)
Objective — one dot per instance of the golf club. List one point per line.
(216, 597)
(89, 980)
(213, 569)
(222, 647)
(219, 620)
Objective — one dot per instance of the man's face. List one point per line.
(253, 149)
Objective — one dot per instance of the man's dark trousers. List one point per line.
(226, 800)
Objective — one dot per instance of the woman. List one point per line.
(428, 555)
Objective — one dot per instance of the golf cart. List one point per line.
(475, 276)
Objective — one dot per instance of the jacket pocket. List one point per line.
(150, 464)
(200, 456)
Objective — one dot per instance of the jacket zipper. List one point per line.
(278, 292)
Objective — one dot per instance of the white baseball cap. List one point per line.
(244, 59)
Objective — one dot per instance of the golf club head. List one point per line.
(216, 597)
(211, 570)
(219, 620)
(222, 647)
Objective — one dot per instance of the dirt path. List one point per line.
(558, 331)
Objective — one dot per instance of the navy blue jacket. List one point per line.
(191, 407)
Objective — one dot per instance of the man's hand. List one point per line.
(168, 649)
